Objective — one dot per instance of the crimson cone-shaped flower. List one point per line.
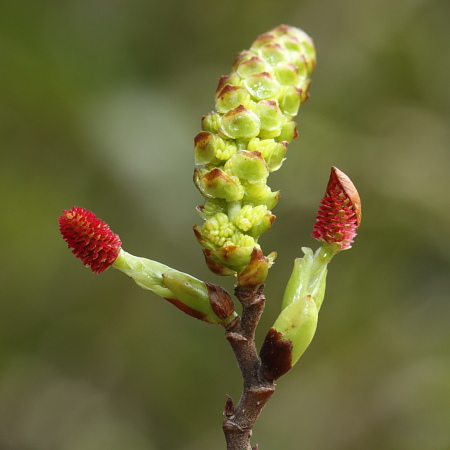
(90, 239)
(339, 214)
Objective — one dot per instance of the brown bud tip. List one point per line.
(221, 301)
(229, 407)
(276, 355)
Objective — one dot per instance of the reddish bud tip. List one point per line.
(90, 238)
(339, 213)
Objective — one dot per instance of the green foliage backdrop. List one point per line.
(99, 104)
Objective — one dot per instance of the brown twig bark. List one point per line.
(257, 390)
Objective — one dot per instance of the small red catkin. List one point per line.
(339, 213)
(90, 238)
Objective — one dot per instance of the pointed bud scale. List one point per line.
(215, 266)
(256, 270)
(221, 302)
(90, 238)
(198, 232)
(339, 215)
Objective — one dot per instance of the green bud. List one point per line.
(252, 66)
(240, 58)
(249, 166)
(271, 118)
(273, 53)
(290, 100)
(262, 86)
(231, 97)
(217, 184)
(211, 149)
(288, 131)
(260, 194)
(233, 79)
(205, 146)
(272, 152)
(287, 73)
(240, 123)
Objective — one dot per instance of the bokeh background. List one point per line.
(99, 104)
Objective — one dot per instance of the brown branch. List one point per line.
(257, 390)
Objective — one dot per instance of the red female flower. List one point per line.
(339, 213)
(90, 238)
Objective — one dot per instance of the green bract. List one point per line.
(245, 139)
(201, 300)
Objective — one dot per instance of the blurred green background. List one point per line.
(99, 105)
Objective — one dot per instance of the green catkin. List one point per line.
(245, 139)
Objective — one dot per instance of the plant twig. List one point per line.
(257, 390)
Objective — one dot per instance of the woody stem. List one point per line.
(257, 390)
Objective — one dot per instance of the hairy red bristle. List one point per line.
(90, 239)
(339, 213)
